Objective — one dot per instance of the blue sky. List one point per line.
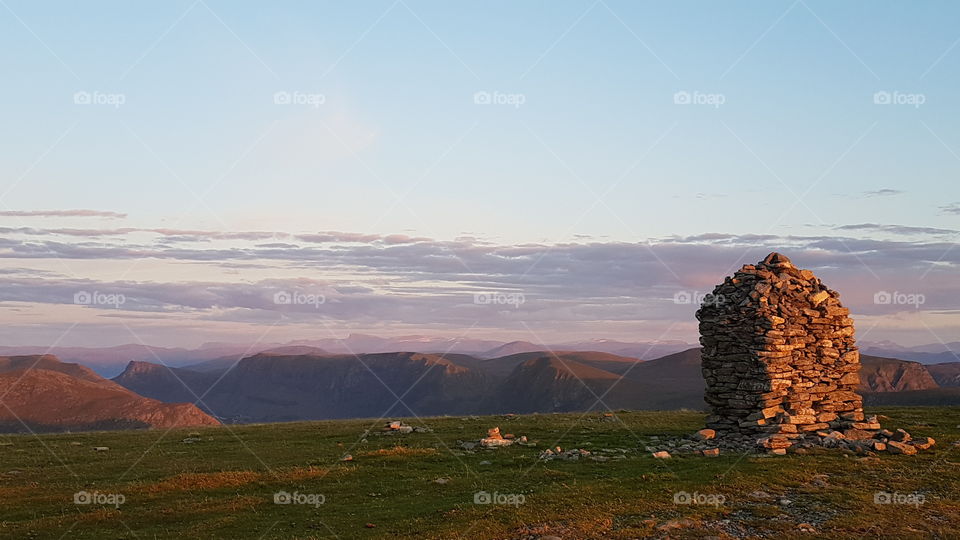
(597, 149)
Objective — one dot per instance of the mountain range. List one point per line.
(303, 381)
(277, 386)
(110, 361)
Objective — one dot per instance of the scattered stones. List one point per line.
(397, 426)
(570, 455)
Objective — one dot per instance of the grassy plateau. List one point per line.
(222, 482)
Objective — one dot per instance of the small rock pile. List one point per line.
(780, 360)
(394, 427)
(495, 440)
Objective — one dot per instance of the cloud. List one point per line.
(586, 288)
(952, 208)
(885, 192)
(62, 213)
(897, 229)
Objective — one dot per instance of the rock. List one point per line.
(879, 446)
(662, 454)
(405, 429)
(896, 447)
(494, 433)
(901, 436)
(705, 434)
(346, 457)
(779, 451)
(494, 443)
(711, 452)
(441, 481)
(857, 434)
(485, 462)
(468, 445)
(101, 448)
(923, 443)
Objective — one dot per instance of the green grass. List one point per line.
(223, 486)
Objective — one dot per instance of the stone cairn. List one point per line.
(782, 367)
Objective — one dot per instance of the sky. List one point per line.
(582, 164)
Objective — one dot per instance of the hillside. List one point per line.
(43, 394)
(427, 486)
(274, 387)
(947, 374)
